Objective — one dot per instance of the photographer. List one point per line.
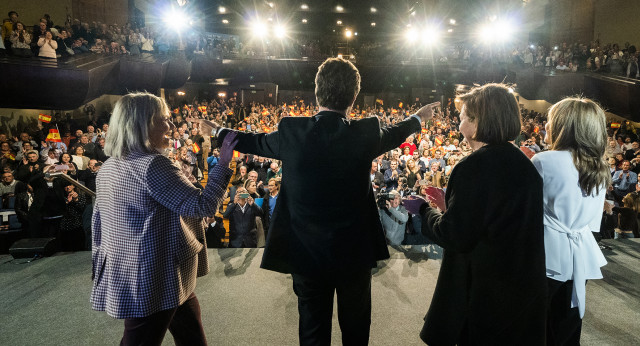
(242, 220)
(393, 216)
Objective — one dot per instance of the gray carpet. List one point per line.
(45, 302)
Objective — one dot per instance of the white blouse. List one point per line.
(569, 216)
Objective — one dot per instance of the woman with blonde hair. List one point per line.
(148, 226)
(412, 172)
(575, 179)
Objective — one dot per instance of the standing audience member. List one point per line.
(47, 46)
(575, 180)
(624, 180)
(20, 41)
(242, 213)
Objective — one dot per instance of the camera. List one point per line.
(382, 199)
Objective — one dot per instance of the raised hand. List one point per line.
(426, 112)
(226, 150)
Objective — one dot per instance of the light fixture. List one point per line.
(450, 30)
(270, 4)
(259, 29)
(339, 22)
(222, 9)
(373, 10)
(373, 23)
(181, 93)
(304, 20)
(225, 21)
(431, 35)
(339, 8)
(280, 31)
(355, 33)
(222, 94)
(304, 6)
(452, 21)
(348, 33)
(411, 35)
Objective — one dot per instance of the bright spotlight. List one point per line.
(373, 23)
(532, 46)
(452, 21)
(339, 8)
(339, 22)
(280, 31)
(374, 10)
(411, 35)
(498, 31)
(181, 93)
(355, 33)
(304, 6)
(258, 29)
(222, 9)
(176, 18)
(225, 21)
(431, 35)
(348, 33)
(222, 94)
(304, 20)
(450, 30)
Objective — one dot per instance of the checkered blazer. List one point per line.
(148, 234)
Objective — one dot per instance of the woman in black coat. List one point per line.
(491, 288)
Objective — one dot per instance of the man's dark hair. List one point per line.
(337, 84)
(12, 12)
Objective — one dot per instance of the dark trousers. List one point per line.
(564, 324)
(183, 322)
(315, 306)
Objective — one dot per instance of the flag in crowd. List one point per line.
(54, 136)
(196, 148)
(44, 118)
(380, 102)
(615, 125)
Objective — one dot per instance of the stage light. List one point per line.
(496, 31)
(431, 35)
(181, 93)
(304, 20)
(339, 56)
(348, 33)
(223, 95)
(452, 21)
(225, 21)
(339, 8)
(532, 47)
(374, 10)
(355, 33)
(339, 22)
(373, 23)
(177, 19)
(304, 7)
(259, 29)
(411, 35)
(222, 9)
(555, 48)
(450, 30)
(280, 31)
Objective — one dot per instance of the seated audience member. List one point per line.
(624, 180)
(26, 147)
(408, 143)
(412, 173)
(531, 144)
(274, 171)
(435, 176)
(71, 230)
(9, 184)
(52, 150)
(612, 149)
(88, 146)
(437, 157)
(79, 157)
(253, 176)
(24, 137)
(47, 46)
(7, 156)
(20, 41)
(394, 219)
(242, 213)
(261, 166)
(406, 154)
(392, 175)
(73, 170)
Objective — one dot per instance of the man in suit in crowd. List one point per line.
(325, 229)
(377, 179)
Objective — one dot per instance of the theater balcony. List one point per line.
(36, 83)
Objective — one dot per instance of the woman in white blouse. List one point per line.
(575, 178)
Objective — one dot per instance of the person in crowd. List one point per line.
(30, 167)
(26, 147)
(393, 217)
(20, 41)
(437, 157)
(313, 230)
(7, 28)
(624, 180)
(24, 137)
(412, 173)
(492, 287)
(406, 154)
(89, 175)
(184, 162)
(261, 166)
(212, 160)
(9, 185)
(377, 179)
(274, 171)
(392, 175)
(79, 158)
(215, 232)
(251, 188)
(436, 177)
(269, 203)
(47, 46)
(573, 170)
(242, 213)
(72, 168)
(259, 189)
(627, 217)
(71, 230)
(88, 146)
(198, 140)
(154, 231)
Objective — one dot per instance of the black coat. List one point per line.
(492, 284)
(325, 220)
(242, 226)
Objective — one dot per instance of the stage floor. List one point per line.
(46, 302)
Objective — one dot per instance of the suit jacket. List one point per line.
(148, 234)
(378, 179)
(492, 284)
(325, 220)
(242, 226)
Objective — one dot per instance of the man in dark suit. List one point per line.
(377, 179)
(325, 229)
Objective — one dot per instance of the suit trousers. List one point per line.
(564, 324)
(315, 306)
(183, 322)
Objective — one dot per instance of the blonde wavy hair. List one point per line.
(578, 125)
(132, 119)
